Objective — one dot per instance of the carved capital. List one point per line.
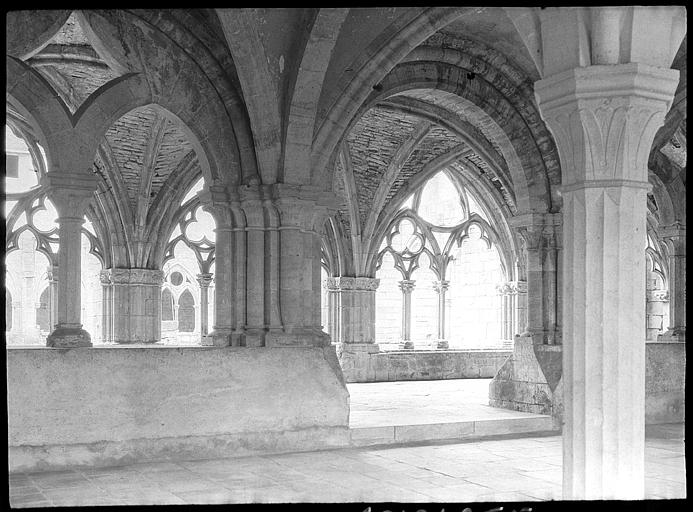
(604, 119)
(658, 295)
(369, 284)
(407, 285)
(512, 288)
(441, 286)
(205, 279)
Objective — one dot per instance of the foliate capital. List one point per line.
(141, 276)
(441, 286)
(352, 283)
(604, 119)
(407, 285)
(512, 288)
(205, 279)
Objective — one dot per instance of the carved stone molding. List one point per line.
(512, 288)
(204, 280)
(352, 283)
(142, 276)
(407, 285)
(658, 295)
(439, 286)
(604, 119)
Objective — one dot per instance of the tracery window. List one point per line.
(439, 267)
(188, 274)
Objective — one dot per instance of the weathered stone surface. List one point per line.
(93, 406)
(421, 365)
(665, 378)
(531, 381)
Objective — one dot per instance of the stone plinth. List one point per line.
(158, 403)
(527, 381)
(134, 297)
(530, 381)
(68, 337)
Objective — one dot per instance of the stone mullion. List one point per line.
(407, 287)
(333, 307)
(204, 281)
(107, 306)
(52, 296)
(441, 287)
(603, 119)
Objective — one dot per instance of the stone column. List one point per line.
(332, 286)
(217, 202)
(441, 287)
(407, 286)
(295, 217)
(107, 305)
(675, 239)
(135, 304)
(513, 308)
(71, 195)
(355, 314)
(539, 231)
(603, 119)
(204, 280)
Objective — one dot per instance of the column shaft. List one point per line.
(407, 286)
(604, 119)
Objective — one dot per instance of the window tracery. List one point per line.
(431, 242)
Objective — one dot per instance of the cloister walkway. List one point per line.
(427, 410)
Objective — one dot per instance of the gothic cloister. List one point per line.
(251, 238)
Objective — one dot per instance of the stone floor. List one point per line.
(422, 402)
(431, 410)
(514, 469)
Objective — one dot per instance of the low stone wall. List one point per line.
(665, 380)
(530, 381)
(421, 365)
(106, 406)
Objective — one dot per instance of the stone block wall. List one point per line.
(118, 405)
(421, 365)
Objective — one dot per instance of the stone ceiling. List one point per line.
(146, 149)
(71, 65)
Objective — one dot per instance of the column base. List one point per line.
(441, 344)
(408, 345)
(217, 338)
(358, 348)
(673, 336)
(301, 337)
(68, 337)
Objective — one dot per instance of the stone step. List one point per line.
(476, 429)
